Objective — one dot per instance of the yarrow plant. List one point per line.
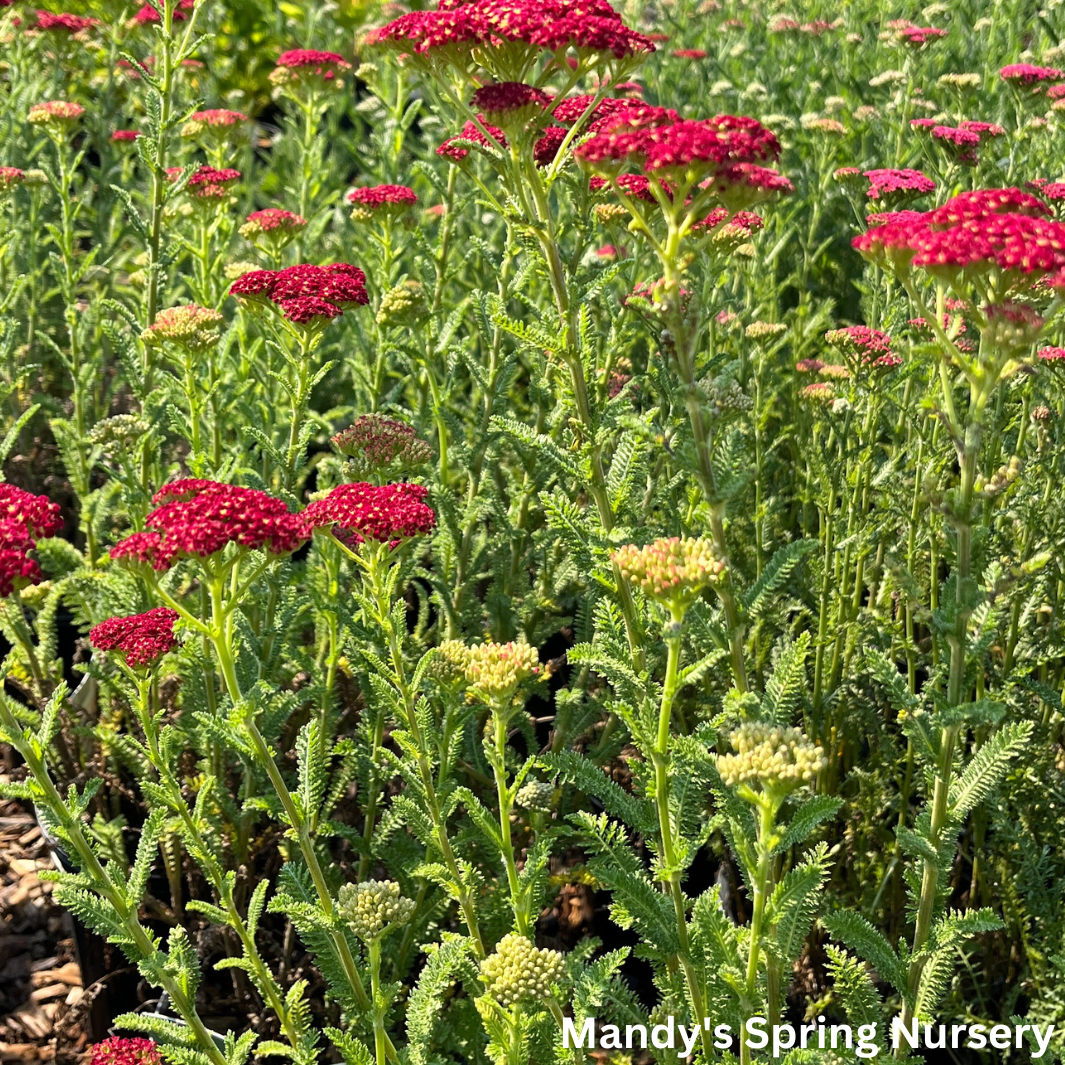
(626, 602)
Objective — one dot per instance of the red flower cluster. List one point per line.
(37, 515)
(374, 196)
(636, 186)
(897, 184)
(506, 97)
(920, 35)
(64, 22)
(991, 229)
(960, 138)
(270, 219)
(870, 347)
(125, 135)
(658, 141)
(547, 145)
(1028, 75)
(10, 176)
(387, 514)
(590, 26)
(149, 14)
(689, 53)
(218, 117)
(324, 65)
(119, 1051)
(199, 518)
(305, 293)
(16, 567)
(472, 133)
(1052, 354)
(987, 130)
(207, 183)
(142, 639)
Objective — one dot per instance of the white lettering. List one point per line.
(570, 1038)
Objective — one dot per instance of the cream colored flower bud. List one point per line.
(373, 908)
(671, 571)
(496, 670)
(519, 971)
(771, 757)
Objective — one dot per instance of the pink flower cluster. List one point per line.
(207, 183)
(373, 197)
(272, 220)
(990, 229)
(199, 518)
(148, 14)
(302, 61)
(306, 294)
(1030, 76)
(897, 184)
(119, 1051)
(64, 22)
(454, 30)
(869, 347)
(387, 513)
(142, 639)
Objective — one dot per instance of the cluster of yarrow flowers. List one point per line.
(1000, 235)
(208, 183)
(387, 513)
(377, 442)
(671, 570)
(369, 201)
(893, 186)
(304, 294)
(119, 1051)
(511, 34)
(308, 68)
(24, 517)
(199, 518)
(190, 327)
(140, 639)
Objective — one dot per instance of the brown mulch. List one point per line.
(43, 1006)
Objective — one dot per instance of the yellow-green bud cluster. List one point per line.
(494, 671)
(449, 663)
(610, 214)
(779, 759)
(536, 795)
(765, 330)
(403, 305)
(191, 327)
(239, 269)
(119, 433)
(373, 907)
(671, 569)
(518, 970)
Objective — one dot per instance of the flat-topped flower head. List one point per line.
(862, 345)
(199, 518)
(510, 105)
(1053, 356)
(897, 186)
(383, 445)
(403, 305)
(63, 23)
(495, 671)
(17, 569)
(518, 971)
(919, 36)
(671, 571)
(120, 136)
(308, 70)
(386, 201)
(55, 116)
(306, 296)
(191, 328)
(141, 639)
(771, 759)
(985, 130)
(209, 184)
(387, 513)
(374, 908)
(454, 148)
(1031, 77)
(38, 515)
(119, 1051)
(10, 179)
(272, 227)
(218, 125)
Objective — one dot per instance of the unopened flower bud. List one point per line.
(536, 795)
(403, 305)
(671, 571)
(373, 908)
(518, 971)
(774, 758)
(496, 670)
(192, 328)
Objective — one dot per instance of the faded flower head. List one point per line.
(495, 671)
(192, 328)
(218, 124)
(374, 908)
(770, 758)
(382, 444)
(55, 116)
(518, 971)
(141, 639)
(10, 178)
(764, 330)
(672, 571)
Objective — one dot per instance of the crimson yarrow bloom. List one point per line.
(305, 294)
(119, 1051)
(865, 346)
(63, 22)
(1030, 76)
(386, 514)
(219, 123)
(986, 130)
(1052, 355)
(10, 177)
(510, 102)
(274, 224)
(17, 569)
(377, 442)
(310, 69)
(898, 184)
(141, 639)
(38, 515)
(454, 147)
(389, 201)
(207, 183)
(199, 518)
(120, 135)
(920, 35)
